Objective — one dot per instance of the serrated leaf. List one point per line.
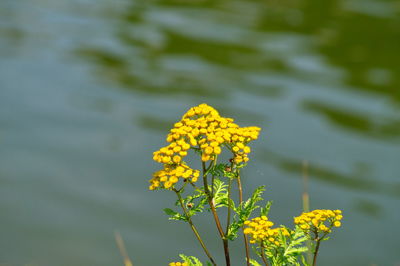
(173, 215)
(228, 202)
(254, 262)
(220, 193)
(245, 209)
(169, 211)
(304, 261)
(233, 229)
(265, 210)
(217, 170)
(191, 260)
(296, 245)
(194, 203)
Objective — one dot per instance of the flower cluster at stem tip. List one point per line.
(178, 264)
(261, 232)
(314, 221)
(203, 129)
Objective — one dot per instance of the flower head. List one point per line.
(203, 129)
(178, 264)
(171, 174)
(261, 232)
(319, 221)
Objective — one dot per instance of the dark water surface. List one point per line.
(88, 90)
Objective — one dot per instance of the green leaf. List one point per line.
(217, 170)
(194, 203)
(191, 260)
(228, 202)
(220, 193)
(175, 215)
(246, 208)
(233, 229)
(265, 211)
(296, 246)
(169, 211)
(304, 261)
(254, 262)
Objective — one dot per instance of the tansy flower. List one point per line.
(170, 175)
(178, 264)
(319, 221)
(202, 128)
(260, 231)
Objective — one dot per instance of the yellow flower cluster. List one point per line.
(202, 128)
(315, 220)
(170, 175)
(178, 264)
(260, 230)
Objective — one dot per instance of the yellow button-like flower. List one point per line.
(319, 221)
(200, 126)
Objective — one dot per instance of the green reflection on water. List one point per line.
(353, 181)
(364, 46)
(368, 207)
(379, 127)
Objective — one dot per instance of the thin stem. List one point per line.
(194, 228)
(263, 255)
(215, 215)
(213, 177)
(228, 216)
(246, 241)
(228, 221)
(316, 252)
(206, 190)
(211, 203)
(318, 239)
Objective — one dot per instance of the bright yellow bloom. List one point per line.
(260, 231)
(176, 159)
(171, 174)
(178, 264)
(217, 150)
(200, 127)
(319, 221)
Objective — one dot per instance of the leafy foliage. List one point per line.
(217, 170)
(245, 209)
(289, 251)
(175, 215)
(193, 203)
(191, 260)
(221, 198)
(254, 262)
(205, 132)
(295, 248)
(243, 212)
(265, 210)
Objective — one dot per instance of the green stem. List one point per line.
(316, 252)
(246, 241)
(263, 255)
(213, 177)
(318, 239)
(215, 215)
(194, 228)
(228, 216)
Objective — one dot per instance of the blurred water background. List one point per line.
(89, 89)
